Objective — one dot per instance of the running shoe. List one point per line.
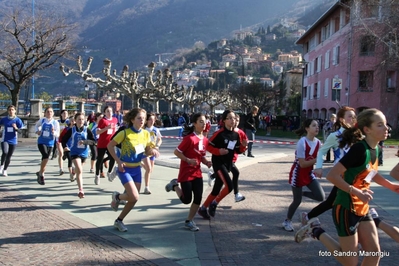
(72, 177)
(97, 179)
(112, 175)
(303, 218)
(40, 178)
(190, 225)
(120, 226)
(211, 178)
(239, 197)
(204, 213)
(1, 168)
(287, 225)
(374, 213)
(115, 202)
(81, 194)
(170, 186)
(61, 172)
(5, 173)
(91, 171)
(306, 230)
(212, 208)
(147, 191)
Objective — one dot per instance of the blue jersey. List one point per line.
(10, 135)
(94, 128)
(49, 131)
(76, 148)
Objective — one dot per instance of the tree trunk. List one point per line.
(15, 96)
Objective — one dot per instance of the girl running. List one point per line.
(93, 127)
(156, 139)
(223, 144)
(136, 143)
(346, 118)
(191, 152)
(47, 129)
(80, 137)
(9, 140)
(301, 173)
(353, 175)
(105, 129)
(64, 123)
(67, 153)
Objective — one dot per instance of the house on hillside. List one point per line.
(343, 63)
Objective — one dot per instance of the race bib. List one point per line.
(231, 145)
(109, 131)
(139, 148)
(370, 176)
(201, 145)
(10, 129)
(46, 134)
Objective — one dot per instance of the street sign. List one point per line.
(337, 84)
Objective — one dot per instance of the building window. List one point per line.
(391, 81)
(335, 59)
(366, 80)
(304, 93)
(327, 60)
(367, 45)
(326, 87)
(370, 9)
(335, 95)
(315, 92)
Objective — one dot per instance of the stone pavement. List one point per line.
(49, 225)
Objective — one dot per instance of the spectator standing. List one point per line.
(250, 128)
(328, 128)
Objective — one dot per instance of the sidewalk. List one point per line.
(54, 227)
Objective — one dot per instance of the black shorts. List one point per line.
(73, 157)
(347, 222)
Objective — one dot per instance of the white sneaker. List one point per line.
(306, 231)
(239, 197)
(61, 172)
(303, 218)
(5, 173)
(72, 177)
(287, 225)
(211, 180)
(112, 175)
(147, 191)
(97, 179)
(120, 226)
(1, 168)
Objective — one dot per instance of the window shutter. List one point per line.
(326, 83)
(334, 62)
(318, 89)
(311, 91)
(319, 64)
(327, 60)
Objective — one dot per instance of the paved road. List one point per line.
(49, 225)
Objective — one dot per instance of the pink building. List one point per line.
(343, 63)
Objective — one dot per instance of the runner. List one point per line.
(135, 144)
(105, 129)
(352, 175)
(9, 139)
(47, 129)
(66, 149)
(93, 150)
(80, 137)
(222, 145)
(250, 128)
(156, 139)
(64, 122)
(301, 173)
(191, 152)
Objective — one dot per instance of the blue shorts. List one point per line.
(130, 174)
(152, 158)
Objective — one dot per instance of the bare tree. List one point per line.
(29, 45)
(252, 94)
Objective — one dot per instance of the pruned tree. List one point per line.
(248, 95)
(378, 20)
(31, 44)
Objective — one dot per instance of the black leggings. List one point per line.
(100, 159)
(325, 205)
(219, 182)
(236, 174)
(67, 155)
(8, 150)
(190, 188)
(93, 152)
(44, 150)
